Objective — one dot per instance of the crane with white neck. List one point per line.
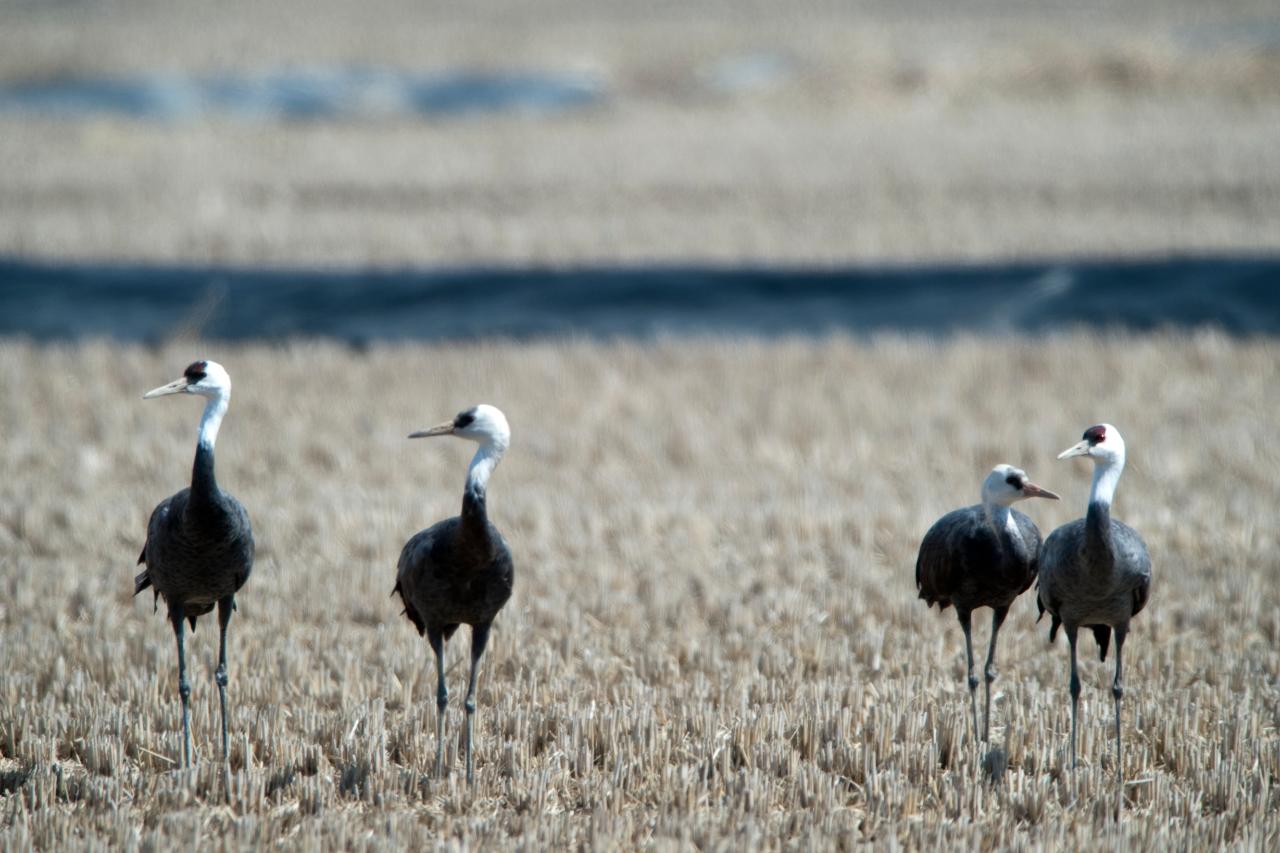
(459, 571)
(199, 548)
(1095, 572)
(983, 555)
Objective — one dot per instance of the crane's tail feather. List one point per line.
(142, 558)
(141, 582)
(414, 617)
(1052, 610)
(1102, 633)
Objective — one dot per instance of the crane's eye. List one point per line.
(464, 420)
(1014, 480)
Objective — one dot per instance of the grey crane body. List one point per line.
(459, 571)
(984, 555)
(966, 561)
(199, 547)
(1095, 573)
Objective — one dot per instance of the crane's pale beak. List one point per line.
(1031, 490)
(177, 386)
(1080, 449)
(445, 428)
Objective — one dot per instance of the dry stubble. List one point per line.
(714, 641)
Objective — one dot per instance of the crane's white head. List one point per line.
(483, 424)
(1102, 442)
(206, 378)
(1006, 485)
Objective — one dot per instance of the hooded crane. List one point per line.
(982, 556)
(459, 571)
(199, 548)
(1095, 571)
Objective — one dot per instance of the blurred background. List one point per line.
(599, 166)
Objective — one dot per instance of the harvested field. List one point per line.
(913, 130)
(714, 641)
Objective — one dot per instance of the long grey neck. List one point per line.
(474, 512)
(204, 485)
(1097, 521)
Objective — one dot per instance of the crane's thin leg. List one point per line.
(225, 606)
(184, 687)
(966, 624)
(479, 638)
(997, 619)
(1075, 689)
(1117, 690)
(436, 638)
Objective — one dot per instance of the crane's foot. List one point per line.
(994, 765)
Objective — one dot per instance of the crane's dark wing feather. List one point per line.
(947, 551)
(1053, 555)
(1140, 595)
(143, 580)
(935, 571)
(409, 611)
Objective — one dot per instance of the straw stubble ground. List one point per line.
(714, 641)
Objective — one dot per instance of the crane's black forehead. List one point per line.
(1014, 480)
(464, 419)
(196, 371)
(1095, 434)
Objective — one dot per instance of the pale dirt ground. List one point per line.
(905, 131)
(714, 642)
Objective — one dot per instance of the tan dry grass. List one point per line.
(714, 641)
(905, 131)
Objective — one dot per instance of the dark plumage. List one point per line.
(199, 548)
(1082, 551)
(982, 556)
(459, 571)
(1095, 571)
(454, 574)
(966, 562)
